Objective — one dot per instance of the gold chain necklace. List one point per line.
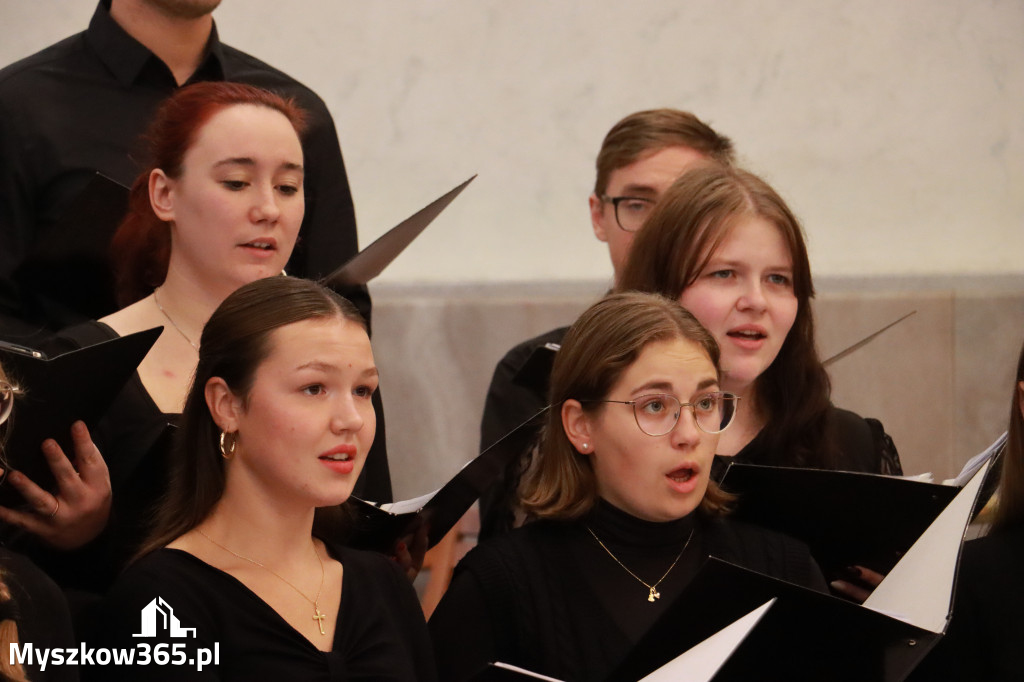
(173, 324)
(654, 594)
(317, 616)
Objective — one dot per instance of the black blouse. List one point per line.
(380, 633)
(547, 597)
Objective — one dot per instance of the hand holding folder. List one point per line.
(79, 507)
(59, 391)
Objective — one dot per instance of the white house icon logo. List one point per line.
(158, 615)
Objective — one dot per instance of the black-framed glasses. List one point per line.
(630, 212)
(658, 413)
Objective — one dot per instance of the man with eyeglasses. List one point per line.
(641, 156)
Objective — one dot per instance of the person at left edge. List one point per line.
(276, 427)
(33, 610)
(80, 105)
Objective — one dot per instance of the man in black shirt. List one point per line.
(641, 156)
(79, 107)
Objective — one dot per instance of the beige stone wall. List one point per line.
(940, 381)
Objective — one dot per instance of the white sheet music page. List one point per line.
(703, 661)
(919, 588)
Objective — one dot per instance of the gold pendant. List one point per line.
(653, 595)
(319, 618)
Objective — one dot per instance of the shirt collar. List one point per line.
(127, 58)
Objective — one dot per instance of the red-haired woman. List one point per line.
(218, 206)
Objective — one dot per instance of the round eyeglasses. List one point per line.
(658, 413)
(630, 212)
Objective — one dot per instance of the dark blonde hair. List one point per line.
(691, 220)
(1010, 509)
(598, 348)
(648, 131)
(235, 341)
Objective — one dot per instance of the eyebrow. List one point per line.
(734, 264)
(328, 367)
(249, 161)
(638, 190)
(653, 385)
(660, 385)
(707, 383)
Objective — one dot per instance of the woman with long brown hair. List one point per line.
(244, 553)
(625, 508)
(724, 244)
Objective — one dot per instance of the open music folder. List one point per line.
(845, 518)
(733, 624)
(807, 635)
(379, 525)
(78, 385)
(372, 260)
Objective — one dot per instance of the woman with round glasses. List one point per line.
(625, 509)
(724, 244)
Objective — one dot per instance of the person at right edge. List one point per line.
(984, 638)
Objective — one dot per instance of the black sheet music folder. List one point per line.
(78, 385)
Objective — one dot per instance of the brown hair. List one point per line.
(141, 247)
(1010, 509)
(598, 348)
(690, 221)
(234, 343)
(654, 129)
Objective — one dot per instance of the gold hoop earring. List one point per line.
(227, 449)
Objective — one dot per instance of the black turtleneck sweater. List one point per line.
(547, 597)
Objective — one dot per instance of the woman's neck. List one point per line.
(257, 527)
(619, 527)
(181, 307)
(747, 423)
(189, 300)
